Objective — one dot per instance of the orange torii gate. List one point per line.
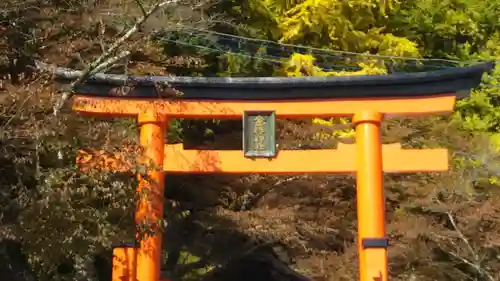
(258, 101)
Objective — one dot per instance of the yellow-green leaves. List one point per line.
(303, 65)
(354, 25)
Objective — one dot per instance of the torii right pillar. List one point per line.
(372, 240)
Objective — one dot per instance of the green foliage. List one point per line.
(237, 65)
(480, 112)
(63, 217)
(175, 131)
(303, 65)
(345, 25)
(187, 259)
(441, 28)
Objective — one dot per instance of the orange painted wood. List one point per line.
(124, 264)
(150, 194)
(340, 160)
(370, 198)
(414, 106)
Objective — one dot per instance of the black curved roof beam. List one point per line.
(454, 80)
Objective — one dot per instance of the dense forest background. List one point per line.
(59, 223)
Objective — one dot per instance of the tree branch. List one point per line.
(476, 264)
(107, 59)
(141, 6)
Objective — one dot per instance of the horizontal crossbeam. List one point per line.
(390, 107)
(325, 161)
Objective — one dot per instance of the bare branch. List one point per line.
(105, 60)
(141, 6)
(462, 236)
(476, 264)
(102, 31)
(112, 60)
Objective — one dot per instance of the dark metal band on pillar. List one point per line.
(375, 243)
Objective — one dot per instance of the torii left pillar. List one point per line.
(150, 191)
